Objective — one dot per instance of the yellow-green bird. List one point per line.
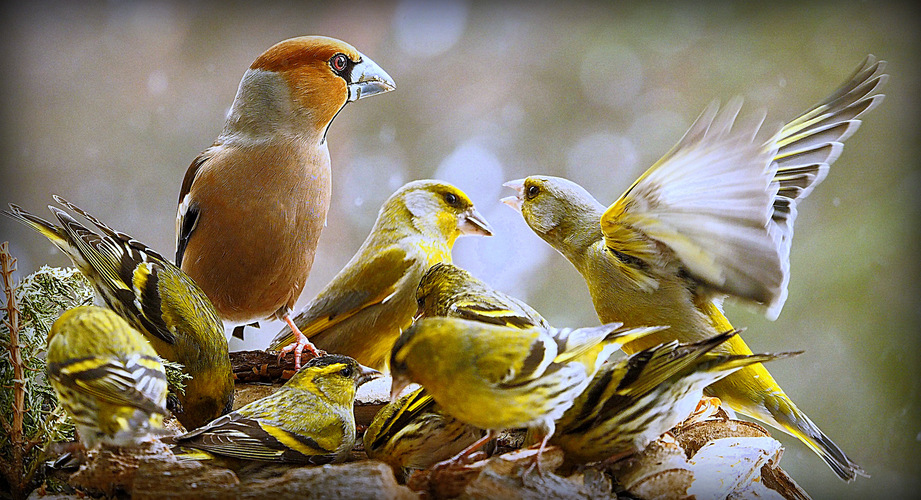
(157, 299)
(496, 377)
(107, 377)
(413, 432)
(308, 420)
(714, 217)
(448, 290)
(361, 312)
(634, 400)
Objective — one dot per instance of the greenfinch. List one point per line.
(632, 401)
(107, 377)
(309, 420)
(447, 290)
(413, 433)
(157, 299)
(713, 217)
(361, 312)
(252, 205)
(496, 377)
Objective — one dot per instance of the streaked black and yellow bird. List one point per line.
(633, 401)
(361, 312)
(497, 377)
(414, 433)
(107, 377)
(157, 299)
(448, 290)
(309, 420)
(712, 218)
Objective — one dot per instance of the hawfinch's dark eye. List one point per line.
(451, 199)
(533, 191)
(346, 372)
(339, 62)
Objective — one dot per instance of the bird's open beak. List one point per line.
(514, 201)
(399, 383)
(472, 223)
(369, 79)
(367, 375)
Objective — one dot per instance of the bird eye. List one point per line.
(346, 372)
(339, 62)
(533, 191)
(451, 199)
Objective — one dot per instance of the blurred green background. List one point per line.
(107, 103)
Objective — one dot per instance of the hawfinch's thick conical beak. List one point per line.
(472, 223)
(369, 79)
(514, 201)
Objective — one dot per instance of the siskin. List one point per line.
(361, 312)
(414, 433)
(713, 217)
(308, 420)
(157, 299)
(496, 377)
(107, 377)
(447, 290)
(631, 402)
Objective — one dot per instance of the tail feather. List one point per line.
(784, 415)
(54, 233)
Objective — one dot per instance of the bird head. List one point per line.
(335, 375)
(555, 208)
(299, 85)
(437, 286)
(437, 210)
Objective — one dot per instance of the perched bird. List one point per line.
(361, 312)
(308, 420)
(497, 377)
(713, 217)
(447, 290)
(107, 377)
(157, 299)
(252, 205)
(413, 432)
(632, 401)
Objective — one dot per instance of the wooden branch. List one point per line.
(18, 479)
(260, 366)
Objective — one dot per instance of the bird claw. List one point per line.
(298, 347)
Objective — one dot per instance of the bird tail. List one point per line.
(55, 233)
(784, 415)
(733, 362)
(752, 391)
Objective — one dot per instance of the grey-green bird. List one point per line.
(712, 218)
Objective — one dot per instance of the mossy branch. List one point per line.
(29, 413)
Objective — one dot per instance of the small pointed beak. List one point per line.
(399, 383)
(367, 374)
(369, 79)
(472, 223)
(514, 201)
